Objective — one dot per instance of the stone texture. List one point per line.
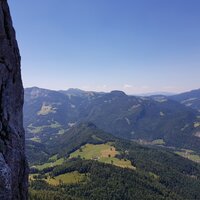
(13, 165)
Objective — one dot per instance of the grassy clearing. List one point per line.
(105, 153)
(61, 132)
(31, 176)
(46, 109)
(158, 142)
(53, 158)
(196, 124)
(117, 162)
(197, 134)
(39, 129)
(34, 129)
(154, 142)
(68, 178)
(189, 154)
(55, 125)
(35, 139)
(50, 164)
(91, 151)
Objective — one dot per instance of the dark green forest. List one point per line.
(159, 174)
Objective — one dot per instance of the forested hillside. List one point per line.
(48, 114)
(88, 163)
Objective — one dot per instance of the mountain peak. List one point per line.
(118, 93)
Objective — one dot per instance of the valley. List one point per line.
(148, 119)
(84, 144)
(139, 147)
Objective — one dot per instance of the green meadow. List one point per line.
(105, 153)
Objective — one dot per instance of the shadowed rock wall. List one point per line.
(13, 165)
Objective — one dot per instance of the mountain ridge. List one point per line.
(190, 99)
(50, 113)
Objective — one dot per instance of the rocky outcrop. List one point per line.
(13, 165)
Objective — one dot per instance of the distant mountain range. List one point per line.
(174, 120)
(156, 93)
(84, 145)
(190, 99)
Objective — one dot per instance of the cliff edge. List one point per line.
(13, 165)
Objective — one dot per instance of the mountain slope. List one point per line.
(190, 99)
(49, 114)
(159, 173)
(138, 117)
(76, 137)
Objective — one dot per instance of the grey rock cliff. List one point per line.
(13, 165)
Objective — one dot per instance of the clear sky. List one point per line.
(138, 46)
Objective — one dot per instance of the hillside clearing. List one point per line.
(67, 178)
(49, 164)
(189, 154)
(105, 153)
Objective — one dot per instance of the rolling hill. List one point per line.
(87, 163)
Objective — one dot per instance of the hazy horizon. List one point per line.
(139, 94)
(137, 46)
(113, 89)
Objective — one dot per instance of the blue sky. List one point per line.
(138, 46)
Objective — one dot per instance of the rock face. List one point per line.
(13, 165)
